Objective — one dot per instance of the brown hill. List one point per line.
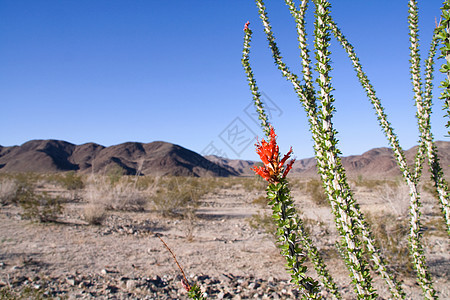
(37, 156)
(161, 158)
(241, 167)
(375, 163)
(157, 158)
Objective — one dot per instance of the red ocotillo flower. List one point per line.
(270, 156)
(246, 26)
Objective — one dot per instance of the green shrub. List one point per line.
(175, 196)
(39, 206)
(72, 181)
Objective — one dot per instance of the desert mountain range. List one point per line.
(162, 158)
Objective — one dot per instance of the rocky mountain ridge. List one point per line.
(162, 158)
(156, 158)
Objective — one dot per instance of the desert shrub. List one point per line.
(374, 184)
(395, 198)
(27, 292)
(72, 181)
(39, 206)
(94, 214)
(8, 188)
(435, 226)
(115, 173)
(225, 182)
(316, 192)
(21, 189)
(118, 195)
(261, 201)
(176, 196)
(297, 183)
(392, 237)
(263, 222)
(253, 184)
(191, 218)
(144, 182)
(428, 188)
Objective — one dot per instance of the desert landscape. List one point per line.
(99, 236)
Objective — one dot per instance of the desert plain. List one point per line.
(104, 243)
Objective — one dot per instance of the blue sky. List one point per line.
(116, 71)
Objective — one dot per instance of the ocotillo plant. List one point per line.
(356, 238)
(194, 291)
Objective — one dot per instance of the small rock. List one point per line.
(104, 271)
(131, 285)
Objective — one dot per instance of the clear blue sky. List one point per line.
(116, 71)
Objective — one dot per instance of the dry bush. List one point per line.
(68, 180)
(143, 182)
(316, 192)
(253, 184)
(176, 196)
(71, 181)
(392, 237)
(118, 195)
(8, 188)
(22, 189)
(395, 198)
(374, 184)
(263, 222)
(40, 206)
(261, 201)
(94, 214)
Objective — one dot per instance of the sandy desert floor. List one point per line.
(218, 249)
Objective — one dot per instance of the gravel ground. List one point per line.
(218, 250)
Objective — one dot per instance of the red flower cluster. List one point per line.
(246, 26)
(270, 156)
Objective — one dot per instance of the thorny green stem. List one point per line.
(339, 203)
(329, 165)
(423, 276)
(306, 242)
(336, 174)
(427, 145)
(252, 82)
(290, 229)
(444, 36)
(442, 33)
